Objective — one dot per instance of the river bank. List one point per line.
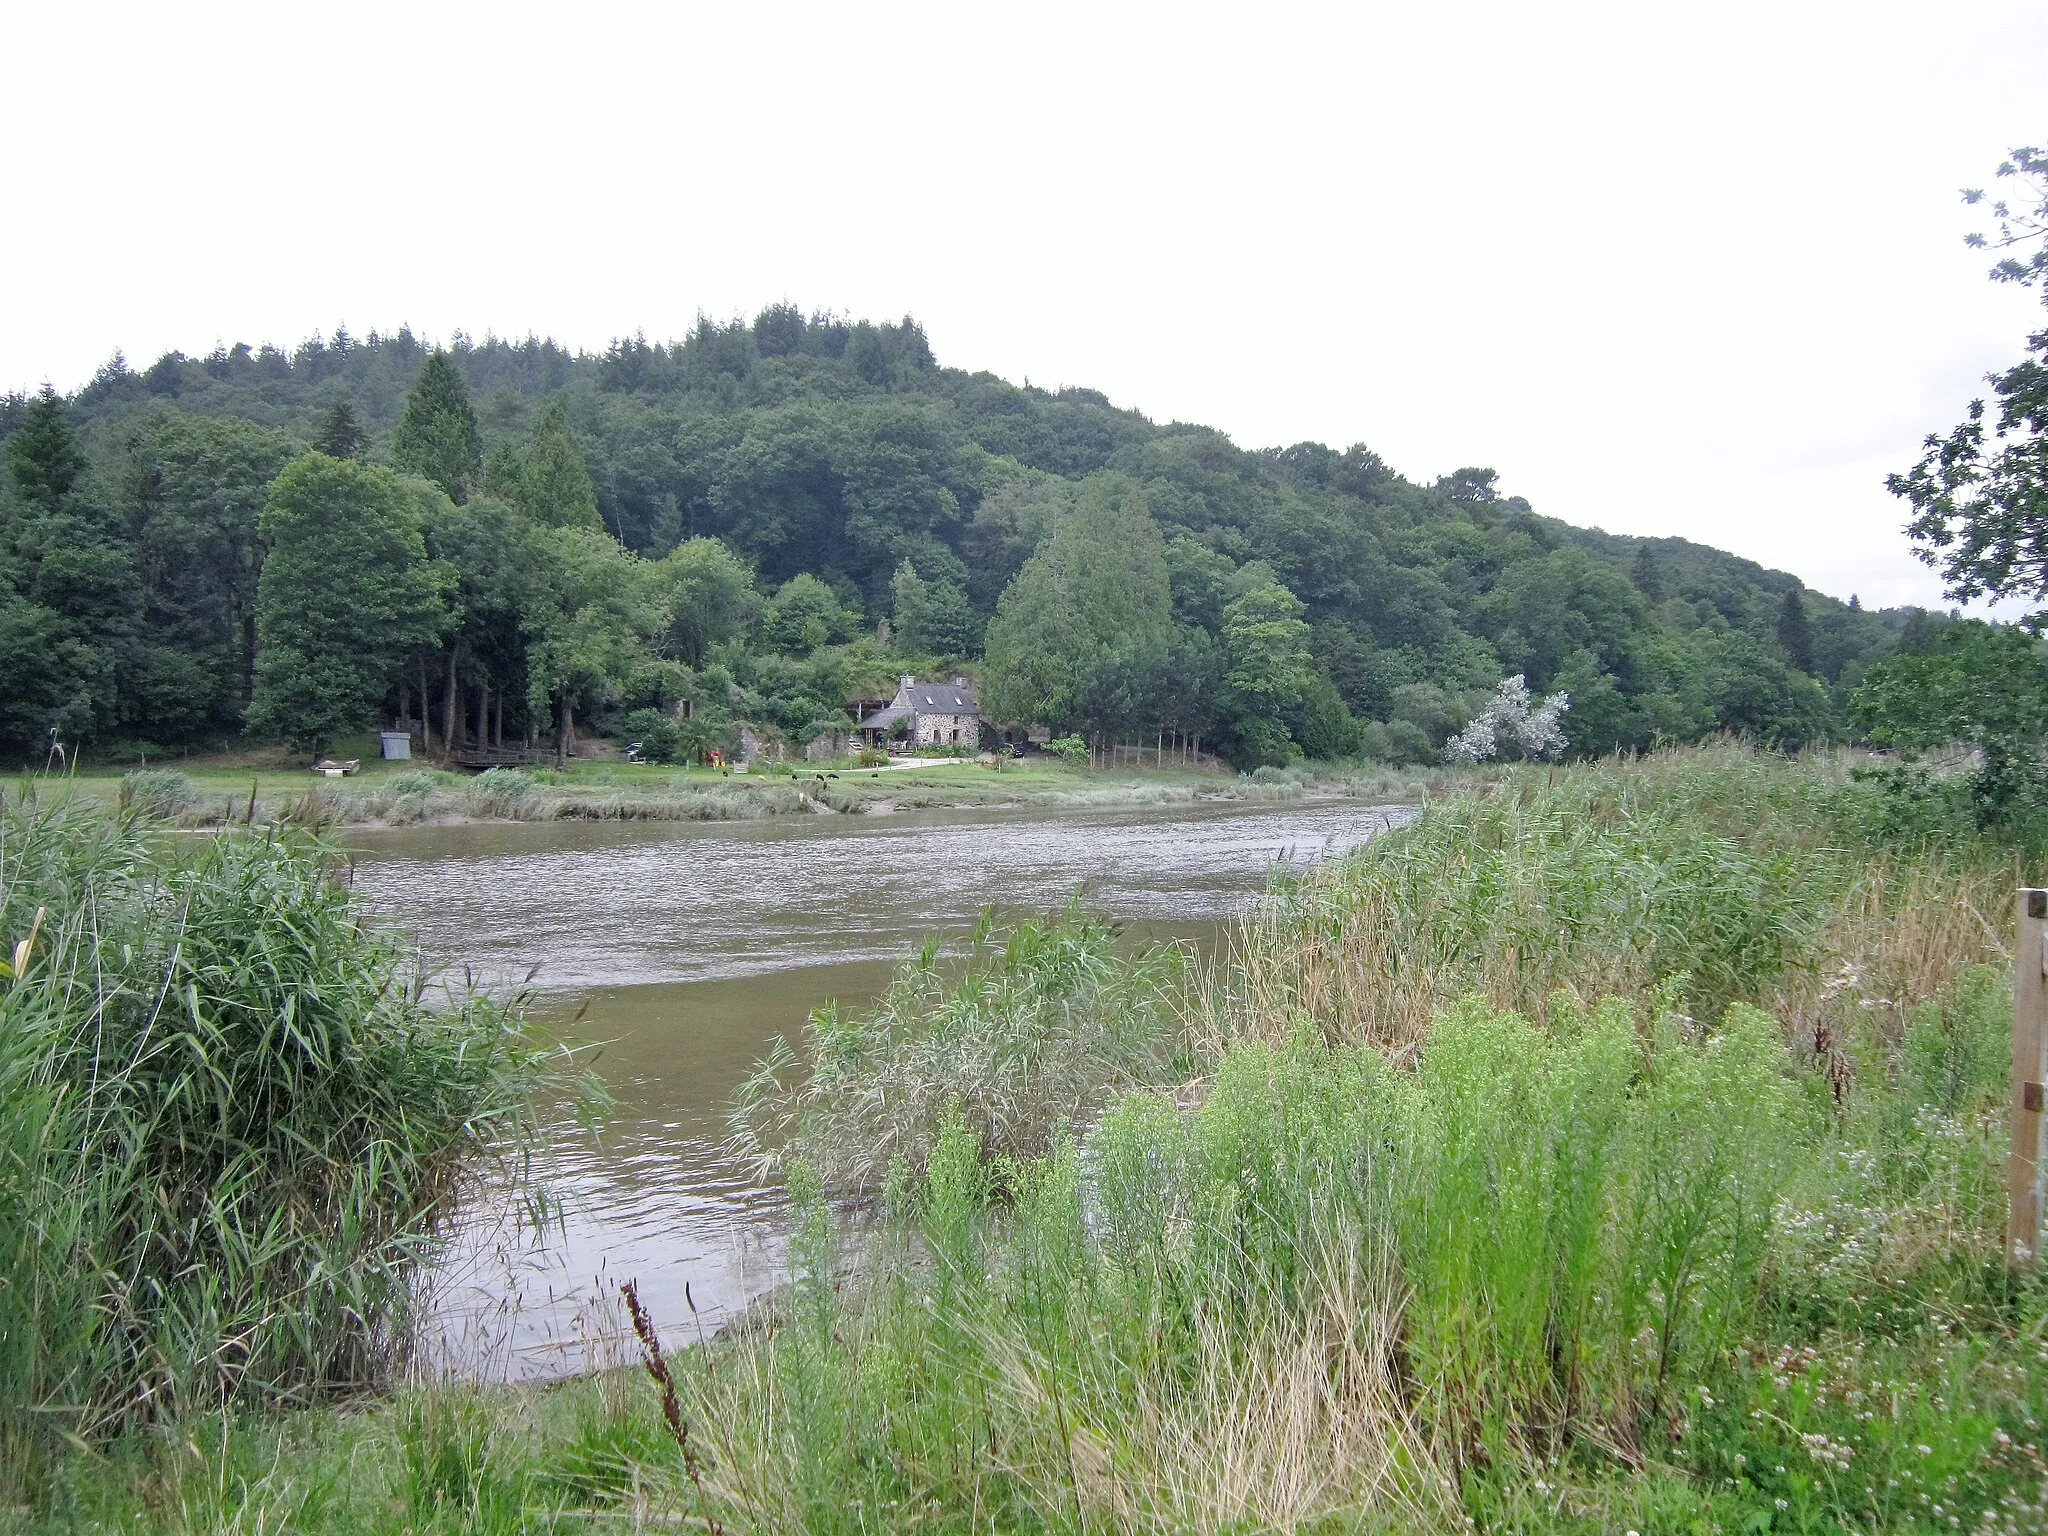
(384, 795)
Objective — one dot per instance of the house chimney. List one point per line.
(959, 682)
(907, 681)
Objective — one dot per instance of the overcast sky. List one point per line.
(1670, 270)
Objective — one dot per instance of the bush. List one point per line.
(162, 793)
(1400, 742)
(659, 737)
(1071, 750)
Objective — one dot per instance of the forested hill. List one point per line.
(1312, 598)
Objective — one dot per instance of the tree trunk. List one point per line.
(498, 722)
(448, 699)
(248, 656)
(562, 734)
(483, 711)
(426, 729)
(404, 697)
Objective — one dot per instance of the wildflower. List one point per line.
(1924, 1450)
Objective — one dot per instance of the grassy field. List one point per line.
(1618, 1149)
(262, 786)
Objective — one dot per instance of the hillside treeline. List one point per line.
(771, 518)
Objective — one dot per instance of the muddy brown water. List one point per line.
(685, 949)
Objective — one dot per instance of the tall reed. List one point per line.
(229, 1124)
(1731, 871)
(1023, 1035)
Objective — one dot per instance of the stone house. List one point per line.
(939, 715)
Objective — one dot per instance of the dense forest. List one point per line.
(770, 519)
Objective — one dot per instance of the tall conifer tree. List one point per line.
(1795, 631)
(1644, 573)
(437, 437)
(554, 482)
(341, 435)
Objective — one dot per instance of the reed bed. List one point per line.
(1745, 879)
(229, 1127)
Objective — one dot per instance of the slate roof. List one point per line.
(938, 699)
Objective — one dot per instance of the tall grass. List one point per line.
(229, 1125)
(1321, 1294)
(1032, 1028)
(1738, 876)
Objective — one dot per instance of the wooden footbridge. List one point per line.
(477, 759)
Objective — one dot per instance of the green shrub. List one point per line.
(1400, 742)
(1071, 750)
(418, 781)
(656, 731)
(509, 794)
(162, 793)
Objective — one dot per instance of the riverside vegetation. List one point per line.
(635, 792)
(1619, 1147)
(229, 1125)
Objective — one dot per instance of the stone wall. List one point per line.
(949, 730)
(757, 747)
(832, 744)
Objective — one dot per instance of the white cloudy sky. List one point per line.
(1668, 269)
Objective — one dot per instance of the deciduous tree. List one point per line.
(1980, 494)
(711, 598)
(346, 594)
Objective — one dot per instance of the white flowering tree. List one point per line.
(1512, 721)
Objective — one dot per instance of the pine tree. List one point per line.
(1644, 573)
(44, 456)
(69, 598)
(554, 482)
(341, 435)
(1795, 631)
(437, 436)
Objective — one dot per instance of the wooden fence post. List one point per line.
(2029, 1072)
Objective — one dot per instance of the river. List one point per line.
(685, 949)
